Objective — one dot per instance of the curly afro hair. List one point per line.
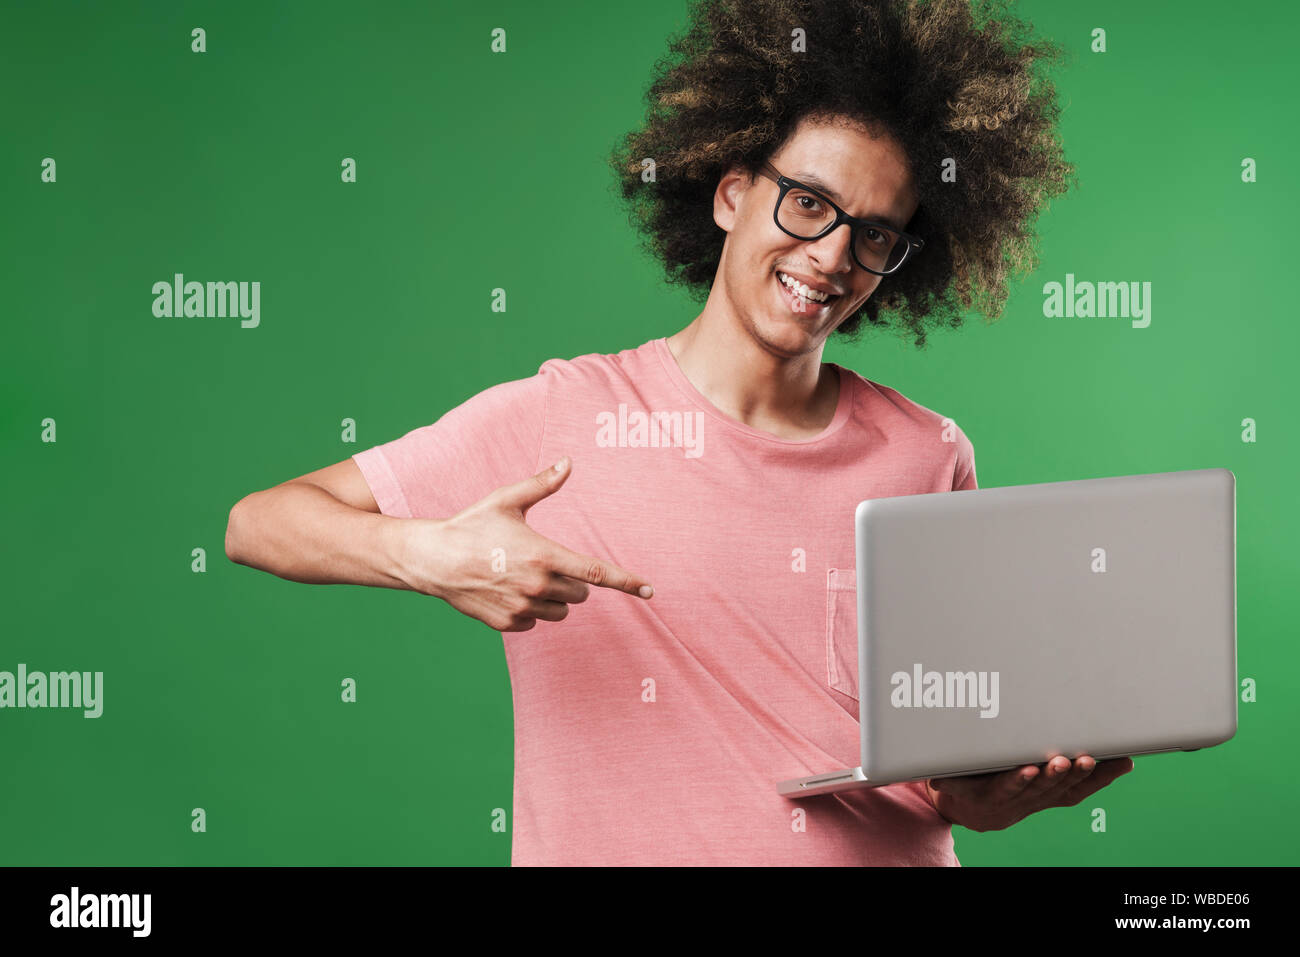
(951, 81)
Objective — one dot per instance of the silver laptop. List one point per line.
(1001, 627)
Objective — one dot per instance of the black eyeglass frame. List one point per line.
(785, 184)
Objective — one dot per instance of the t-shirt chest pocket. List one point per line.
(842, 631)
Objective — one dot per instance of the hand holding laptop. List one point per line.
(991, 802)
(1091, 619)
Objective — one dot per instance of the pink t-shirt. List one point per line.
(655, 732)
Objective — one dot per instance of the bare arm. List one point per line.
(320, 528)
(325, 528)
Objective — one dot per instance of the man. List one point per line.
(706, 482)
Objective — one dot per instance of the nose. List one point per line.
(831, 252)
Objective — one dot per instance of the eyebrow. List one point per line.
(813, 180)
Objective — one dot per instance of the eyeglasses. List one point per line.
(804, 213)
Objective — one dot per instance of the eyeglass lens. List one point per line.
(805, 215)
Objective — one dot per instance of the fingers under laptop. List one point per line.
(1087, 776)
(1055, 777)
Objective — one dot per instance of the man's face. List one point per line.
(864, 176)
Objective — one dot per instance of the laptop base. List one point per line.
(850, 779)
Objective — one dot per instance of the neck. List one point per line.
(788, 396)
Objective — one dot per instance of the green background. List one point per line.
(478, 171)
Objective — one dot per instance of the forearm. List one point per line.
(300, 532)
(933, 795)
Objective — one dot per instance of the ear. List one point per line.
(732, 187)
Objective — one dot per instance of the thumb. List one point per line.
(528, 492)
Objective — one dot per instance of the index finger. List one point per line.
(597, 571)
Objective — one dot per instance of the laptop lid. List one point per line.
(998, 627)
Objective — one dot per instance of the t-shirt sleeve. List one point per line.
(964, 473)
(435, 471)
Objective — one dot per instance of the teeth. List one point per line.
(812, 295)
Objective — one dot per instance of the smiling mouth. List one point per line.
(798, 301)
